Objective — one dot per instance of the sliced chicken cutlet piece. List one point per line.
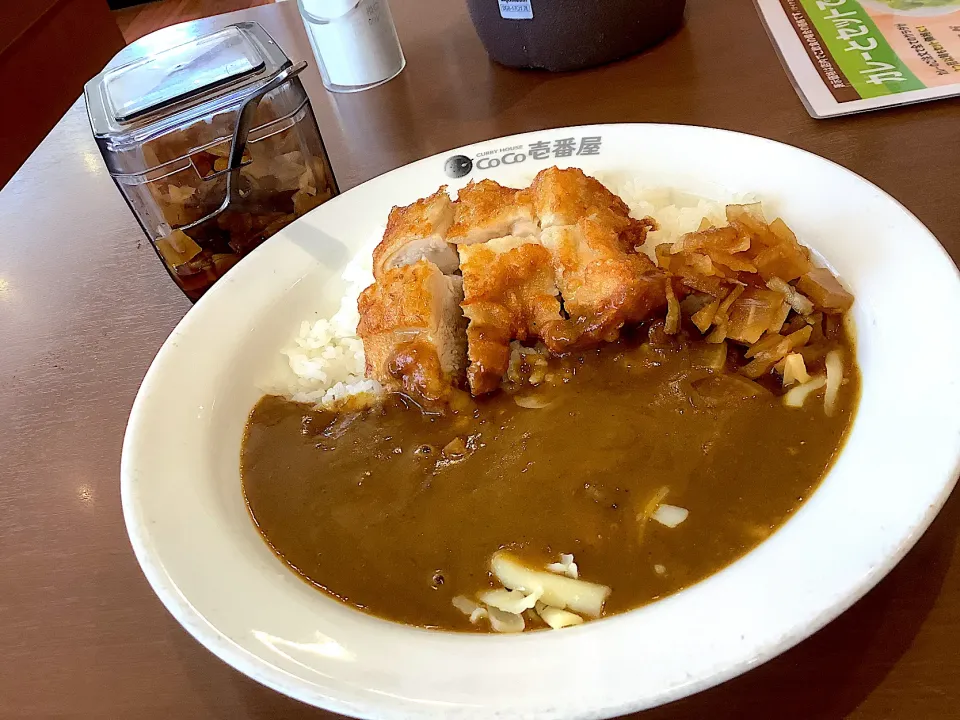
(417, 232)
(604, 283)
(562, 197)
(509, 294)
(413, 330)
(486, 210)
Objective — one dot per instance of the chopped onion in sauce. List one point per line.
(647, 511)
(735, 292)
(704, 317)
(694, 302)
(796, 396)
(654, 502)
(701, 263)
(672, 325)
(834, 365)
(752, 218)
(797, 301)
(770, 350)
(724, 239)
(753, 312)
(709, 356)
(825, 290)
(456, 449)
(737, 264)
(794, 370)
(720, 320)
(531, 402)
(785, 260)
(779, 318)
(723, 388)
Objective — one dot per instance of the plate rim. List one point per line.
(274, 677)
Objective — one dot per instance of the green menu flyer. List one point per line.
(847, 56)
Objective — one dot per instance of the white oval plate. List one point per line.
(198, 548)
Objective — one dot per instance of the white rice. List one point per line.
(327, 356)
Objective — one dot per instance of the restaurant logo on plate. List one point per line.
(458, 166)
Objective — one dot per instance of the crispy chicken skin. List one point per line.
(417, 232)
(509, 294)
(604, 284)
(486, 210)
(562, 197)
(413, 330)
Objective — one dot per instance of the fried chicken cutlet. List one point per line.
(486, 210)
(418, 232)
(509, 294)
(413, 330)
(556, 262)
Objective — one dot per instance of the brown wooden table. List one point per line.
(85, 304)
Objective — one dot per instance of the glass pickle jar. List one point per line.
(214, 146)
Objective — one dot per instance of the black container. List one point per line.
(571, 34)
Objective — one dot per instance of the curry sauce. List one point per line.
(396, 511)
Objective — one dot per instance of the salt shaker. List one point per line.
(355, 42)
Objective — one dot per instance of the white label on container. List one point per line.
(516, 9)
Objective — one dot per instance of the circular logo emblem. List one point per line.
(458, 166)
